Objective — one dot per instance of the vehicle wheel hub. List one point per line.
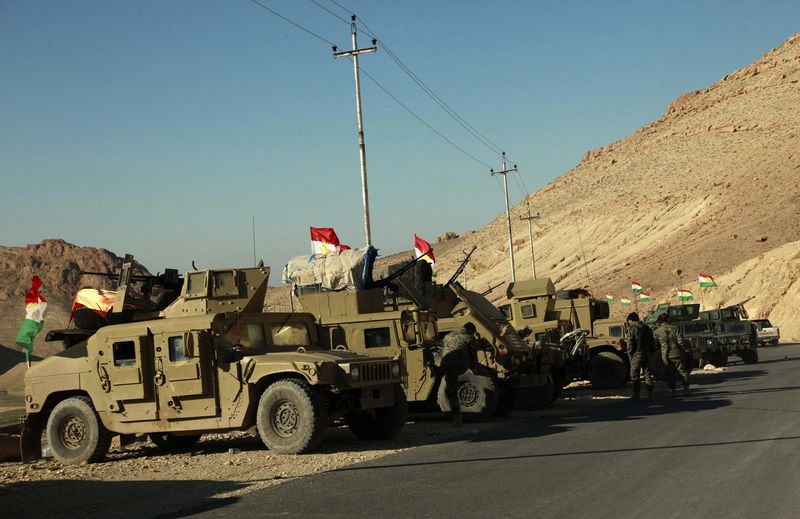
(468, 395)
(285, 418)
(72, 432)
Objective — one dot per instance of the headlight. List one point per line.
(709, 342)
(396, 370)
(355, 374)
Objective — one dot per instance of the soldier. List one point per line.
(671, 343)
(456, 355)
(641, 351)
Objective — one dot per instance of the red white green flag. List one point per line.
(684, 295)
(35, 305)
(705, 280)
(610, 297)
(644, 296)
(423, 249)
(324, 241)
(636, 287)
(625, 301)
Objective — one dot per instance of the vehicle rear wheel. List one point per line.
(291, 417)
(749, 356)
(171, 442)
(536, 398)
(477, 396)
(75, 433)
(382, 423)
(607, 370)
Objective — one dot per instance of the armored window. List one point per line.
(377, 337)
(124, 353)
(246, 335)
(506, 309)
(225, 283)
(290, 334)
(196, 285)
(177, 349)
(528, 311)
(338, 337)
(615, 331)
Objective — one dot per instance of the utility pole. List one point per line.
(505, 171)
(361, 147)
(530, 235)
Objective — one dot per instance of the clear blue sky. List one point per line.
(161, 128)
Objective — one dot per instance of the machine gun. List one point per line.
(461, 267)
(388, 280)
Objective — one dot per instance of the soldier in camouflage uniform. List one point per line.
(642, 352)
(456, 355)
(671, 343)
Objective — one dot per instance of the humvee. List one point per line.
(391, 317)
(210, 361)
(535, 307)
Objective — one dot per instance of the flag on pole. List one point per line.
(644, 296)
(705, 280)
(35, 305)
(625, 301)
(610, 297)
(636, 287)
(424, 250)
(684, 295)
(324, 241)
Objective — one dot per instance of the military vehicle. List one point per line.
(535, 307)
(391, 317)
(766, 333)
(210, 361)
(714, 335)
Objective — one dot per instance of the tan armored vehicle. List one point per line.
(393, 318)
(536, 307)
(211, 361)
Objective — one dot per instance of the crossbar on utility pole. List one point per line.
(361, 147)
(530, 219)
(505, 171)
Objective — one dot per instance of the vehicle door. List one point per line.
(125, 371)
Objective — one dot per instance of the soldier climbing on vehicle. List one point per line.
(456, 354)
(671, 343)
(642, 353)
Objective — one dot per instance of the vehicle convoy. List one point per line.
(536, 308)
(714, 335)
(391, 317)
(209, 361)
(766, 333)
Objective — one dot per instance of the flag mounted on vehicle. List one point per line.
(324, 241)
(624, 301)
(705, 280)
(423, 249)
(684, 295)
(644, 296)
(610, 297)
(636, 287)
(35, 305)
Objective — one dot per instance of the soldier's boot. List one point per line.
(649, 391)
(686, 390)
(637, 387)
(457, 420)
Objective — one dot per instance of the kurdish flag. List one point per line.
(636, 287)
(324, 241)
(684, 295)
(705, 280)
(625, 301)
(423, 249)
(644, 296)
(610, 297)
(35, 306)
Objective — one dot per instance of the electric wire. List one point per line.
(279, 15)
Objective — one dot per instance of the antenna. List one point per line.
(254, 241)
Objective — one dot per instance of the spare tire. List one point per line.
(607, 370)
(477, 396)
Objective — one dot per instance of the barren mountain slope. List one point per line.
(713, 183)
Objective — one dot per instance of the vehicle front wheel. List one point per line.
(75, 433)
(382, 423)
(607, 371)
(291, 417)
(749, 356)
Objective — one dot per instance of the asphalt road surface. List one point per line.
(730, 450)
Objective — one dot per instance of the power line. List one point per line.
(279, 15)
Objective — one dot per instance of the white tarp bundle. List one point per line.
(346, 270)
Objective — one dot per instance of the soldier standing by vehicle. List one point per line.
(642, 352)
(456, 355)
(671, 343)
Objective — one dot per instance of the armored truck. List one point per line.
(210, 361)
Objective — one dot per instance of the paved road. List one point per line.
(731, 450)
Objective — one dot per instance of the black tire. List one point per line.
(537, 398)
(75, 433)
(170, 442)
(607, 370)
(382, 423)
(749, 356)
(718, 359)
(292, 417)
(507, 401)
(477, 396)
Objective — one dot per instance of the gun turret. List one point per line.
(461, 266)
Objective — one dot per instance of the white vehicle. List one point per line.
(766, 334)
